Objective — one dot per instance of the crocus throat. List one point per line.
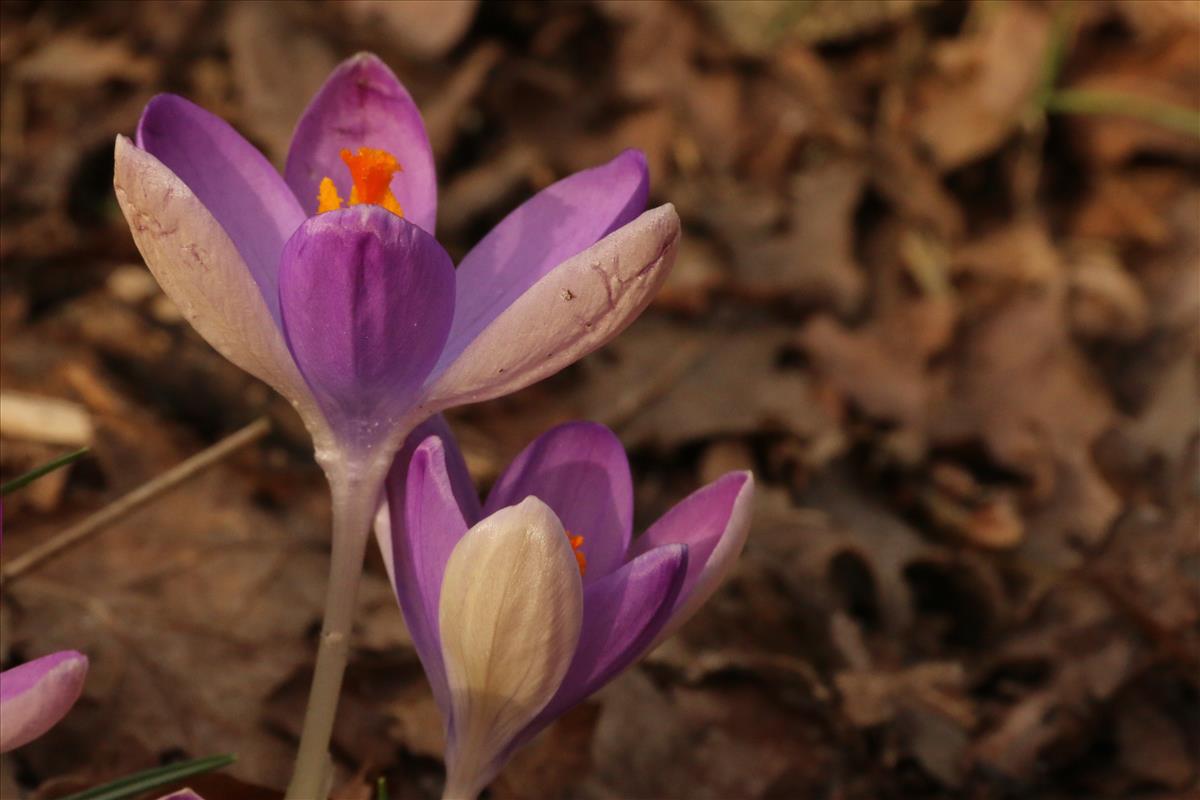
(372, 171)
(580, 558)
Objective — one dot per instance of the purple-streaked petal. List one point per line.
(235, 182)
(198, 266)
(456, 469)
(560, 221)
(426, 523)
(363, 104)
(713, 523)
(580, 470)
(366, 299)
(622, 614)
(575, 308)
(36, 695)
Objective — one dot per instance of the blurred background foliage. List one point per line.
(938, 288)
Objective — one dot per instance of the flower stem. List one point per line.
(355, 497)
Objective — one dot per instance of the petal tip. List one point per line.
(122, 145)
(535, 509)
(635, 158)
(745, 493)
(369, 70)
(161, 103)
(746, 476)
(666, 212)
(364, 59)
(582, 427)
(431, 450)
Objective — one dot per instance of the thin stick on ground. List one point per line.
(139, 497)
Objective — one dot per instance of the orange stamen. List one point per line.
(371, 170)
(327, 197)
(580, 558)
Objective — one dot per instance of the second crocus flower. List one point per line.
(521, 607)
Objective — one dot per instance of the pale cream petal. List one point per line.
(575, 308)
(198, 267)
(510, 615)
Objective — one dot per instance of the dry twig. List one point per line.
(136, 499)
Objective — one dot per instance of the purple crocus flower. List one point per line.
(357, 315)
(36, 695)
(521, 607)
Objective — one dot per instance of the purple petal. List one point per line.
(36, 695)
(427, 523)
(560, 221)
(363, 104)
(367, 299)
(713, 523)
(200, 269)
(622, 614)
(579, 469)
(456, 469)
(182, 794)
(234, 181)
(575, 308)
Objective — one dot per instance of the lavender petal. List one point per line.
(36, 695)
(580, 470)
(713, 523)
(234, 181)
(366, 299)
(572, 310)
(561, 221)
(363, 104)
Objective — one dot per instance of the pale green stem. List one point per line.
(460, 784)
(355, 495)
(460, 788)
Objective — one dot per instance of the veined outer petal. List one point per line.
(558, 222)
(713, 523)
(622, 614)
(200, 269)
(36, 695)
(363, 104)
(426, 524)
(510, 616)
(575, 308)
(234, 181)
(456, 470)
(580, 470)
(367, 299)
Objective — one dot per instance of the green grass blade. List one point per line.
(1121, 104)
(37, 472)
(135, 784)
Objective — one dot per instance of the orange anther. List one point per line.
(580, 558)
(371, 171)
(327, 197)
